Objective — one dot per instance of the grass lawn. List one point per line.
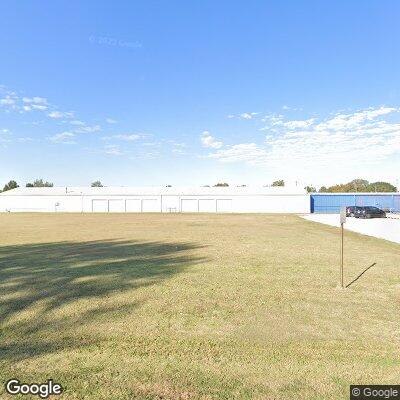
(159, 306)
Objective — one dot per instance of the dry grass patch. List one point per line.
(194, 306)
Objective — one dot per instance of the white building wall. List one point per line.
(248, 204)
(272, 204)
(170, 203)
(41, 203)
(257, 203)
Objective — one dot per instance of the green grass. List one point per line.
(195, 306)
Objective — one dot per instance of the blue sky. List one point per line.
(192, 93)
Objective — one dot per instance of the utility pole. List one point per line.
(341, 259)
(342, 222)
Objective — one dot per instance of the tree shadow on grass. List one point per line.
(38, 280)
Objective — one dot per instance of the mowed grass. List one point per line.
(156, 306)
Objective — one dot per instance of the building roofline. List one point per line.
(357, 193)
(153, 191)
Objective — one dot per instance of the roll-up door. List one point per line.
(207, 205)
(150, 205)
(224, 205)
(189, 205)
(100, 205)
(133, 205)
(116, 205)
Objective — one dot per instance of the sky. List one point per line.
(194, 93)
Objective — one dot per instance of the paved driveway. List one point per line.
(383, 228)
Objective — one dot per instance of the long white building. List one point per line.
(156, 199)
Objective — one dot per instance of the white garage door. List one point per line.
(207, 205)
(224, 205)
(150, 205)
(116, 205)
(99, 205)
(189, 205)
(134, 205)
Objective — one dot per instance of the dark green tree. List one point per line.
(221, 185)
(310, 189)
(382, 187)
(39, 183)
(361, 186)
(96, 184)
(281, 182)
(10, 185)
(357, 185)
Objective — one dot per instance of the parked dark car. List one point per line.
(351, 211)
(370, 212)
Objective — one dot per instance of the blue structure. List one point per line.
(332, 202)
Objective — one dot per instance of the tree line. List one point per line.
(36, 183)
(39, 183)
(281, 182)
(356, 185)
(359, 185)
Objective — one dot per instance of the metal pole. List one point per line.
(341, 260)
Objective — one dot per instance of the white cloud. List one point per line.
(151, 144)
(4, 141)
(279, 121)
(64, 137)
(34, 103)
(177, 144)
(152, 154)
(39, 107)
(7, 101)
(128, 137)
(245, 115)
(301, 124)
(12, 102)
(56, 114)
(5, 136)
(88, 129)
(248, 152)
(331, 146)
(179, 151)
(35, 100)
(60, 114)
(25, 139)
(111, 121)
(354, 120)
(178, 147)
(272, 120)
(113, 149)
(209, 141)
(288, 108)
(77, 122)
